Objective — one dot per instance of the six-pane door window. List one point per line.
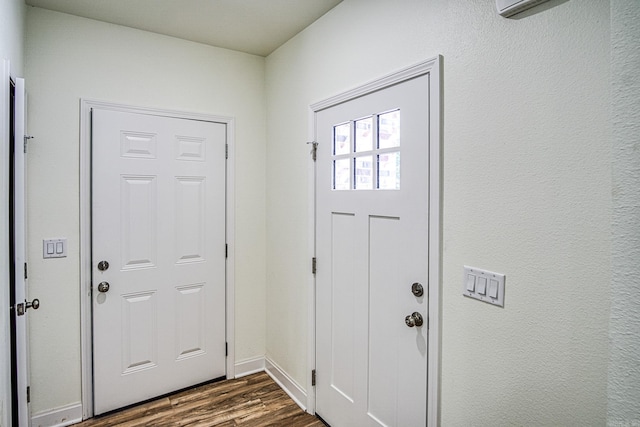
(366, 153)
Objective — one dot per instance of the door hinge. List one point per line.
(226, 151)
(26, 138)
(226, 349)
(25, 271)
(313, 377)
(314, 150)
(314, 265)
(226, 250)
(28, 394)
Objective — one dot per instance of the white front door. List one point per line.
(372, 246)
(158, 221)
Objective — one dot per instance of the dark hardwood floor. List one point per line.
(251, 401)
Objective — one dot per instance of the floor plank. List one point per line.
(251, 401)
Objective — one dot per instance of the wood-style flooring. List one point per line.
(251, 401)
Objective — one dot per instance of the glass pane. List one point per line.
(341, 174)
(389, 129)
(341, 139)
(389, 171)
(364, 173)
(364, 137)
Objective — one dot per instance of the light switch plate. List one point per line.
(54, 248)
(483, 285)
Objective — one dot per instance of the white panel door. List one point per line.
(158, 212)
(20, 241)
(372, 246)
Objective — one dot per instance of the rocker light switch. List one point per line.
(471, 282)
(54, 248)
(483, 285)
(493, 288)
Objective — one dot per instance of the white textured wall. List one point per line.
(527, 192)
(12, 16)
(11, 48)
(624, 335)
(68, 58)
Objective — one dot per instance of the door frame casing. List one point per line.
(432, 67)
(86, 339)
(6, 383)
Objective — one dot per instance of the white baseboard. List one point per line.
(58, 417)
(287, 383)
(249, 366)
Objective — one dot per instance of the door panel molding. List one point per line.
(433, 68)
(86, 105)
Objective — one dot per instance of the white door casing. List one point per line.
(20, 238)
(158, 203)
(371, 246)
(5, 327)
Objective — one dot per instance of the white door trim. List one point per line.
(85, 234)
(5, 332)
(433, 67)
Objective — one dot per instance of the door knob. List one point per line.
(103, 287)
(414, 319)
(23, 306)
(103, 265)
(35, 304)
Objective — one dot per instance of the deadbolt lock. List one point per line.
(103, 265)
(417, 289)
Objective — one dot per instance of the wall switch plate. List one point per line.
(483, 285)
(54, 248)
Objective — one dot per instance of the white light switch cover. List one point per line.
(486, 289)
(54, 248)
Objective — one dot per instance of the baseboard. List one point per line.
(287, 383)
(58, 417)
(249, 366)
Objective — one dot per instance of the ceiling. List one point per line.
(252, 26)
